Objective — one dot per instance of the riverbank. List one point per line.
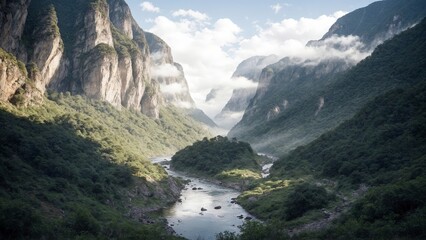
(220, 211)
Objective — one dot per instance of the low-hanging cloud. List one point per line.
(210, 51)
(165, 70)
(228, 119)
(241, 82)
(173, 88)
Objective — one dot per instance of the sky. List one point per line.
(210, 38)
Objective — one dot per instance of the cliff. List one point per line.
(93, 48)
(279, 117)
(250, 69)
(170, 76)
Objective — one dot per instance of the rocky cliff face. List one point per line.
(171, 79)
(93, 48)
(272, 120)
(170, 75)
(13, 15)
(250, 69)
(379, 21)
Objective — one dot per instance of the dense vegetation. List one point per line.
(221, 158)
(374, 21)
(390, 66)
(69, 167)
(368, 172)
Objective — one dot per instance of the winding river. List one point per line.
(186, 217)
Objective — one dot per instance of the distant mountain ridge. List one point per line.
(250, 69)
(270, 122)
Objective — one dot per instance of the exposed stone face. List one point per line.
(250, 69)
(96, 28)
(48, 50)
(173, 85)
(161, 53)
(13, 15)
(150, 101)
(121, 17)
(89, 60)
(99, 73)
(11, 76)
(14, 85)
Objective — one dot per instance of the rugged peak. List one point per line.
(121, 17)
(161, 53)
(379, 21)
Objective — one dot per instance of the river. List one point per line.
(186, 217)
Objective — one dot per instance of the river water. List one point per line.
(186, 217)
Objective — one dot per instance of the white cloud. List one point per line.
(201, 51)
(165, 70)
(196, 15)
(210, 51)
(241, 82)
(277, 7)
(287, 37)
(228, 119)
(149, 7)
(173, 88)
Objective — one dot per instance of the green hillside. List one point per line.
(232, 162)
(399, 62)
(78, 168)
(365, 178)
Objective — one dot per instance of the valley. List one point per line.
(323, 141)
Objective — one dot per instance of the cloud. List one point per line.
(196, 15)
(241, 82)
(349, 48)
(165, 70)
(173, 88)
(287, 37)
(228, 119)
(149, 7)
(210, 51)
(277, 7)
(202, 51)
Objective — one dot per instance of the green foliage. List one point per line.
(303, 198)
(69, 165)
(383, 147)
(125, 46)
(101, 50)
(220, 158)
(397, 63)
(18, 220)
(100, 6)
(254, 230)
(12, 59)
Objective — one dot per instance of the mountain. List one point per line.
(171, 78)
(379, 21)
(250, 69)
(81, 113)
(362, 179)
(287, 110)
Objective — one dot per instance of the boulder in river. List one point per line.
(203, 209)
(194, 188)
(217, 207)
(248, 218)
(240, 217)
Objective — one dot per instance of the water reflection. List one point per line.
(189, 221)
